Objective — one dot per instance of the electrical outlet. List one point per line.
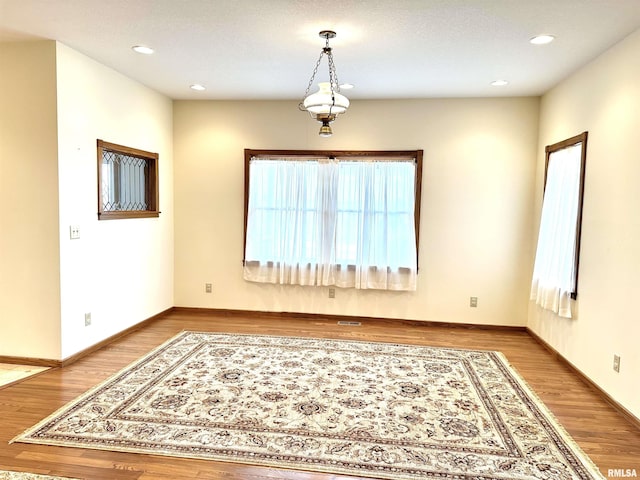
(208, 287)
(87, 319)
(74, 232)
(473, 302)
(616, 363)
(332, 293)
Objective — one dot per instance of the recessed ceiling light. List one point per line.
(142, 49)
(347, 86)
(198, 87)
(499, 83)
(542, 39)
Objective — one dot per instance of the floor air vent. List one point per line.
(351, 324)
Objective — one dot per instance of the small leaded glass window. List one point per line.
(127, 182)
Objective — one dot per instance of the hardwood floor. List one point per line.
(606, 436)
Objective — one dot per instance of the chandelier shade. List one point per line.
(327, 103)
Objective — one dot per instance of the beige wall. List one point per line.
(29, 262)
(603, 98)
(121, 271)
(475, 238)
(55, 104)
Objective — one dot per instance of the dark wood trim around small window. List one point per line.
(549, 149)
(151, 182)
(362, 154)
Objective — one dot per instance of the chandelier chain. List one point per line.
(333, 75)
(313, 75)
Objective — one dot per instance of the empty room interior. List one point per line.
(465, 94)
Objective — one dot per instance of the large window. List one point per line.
(555, 275)
(127, 182)
(348, 219)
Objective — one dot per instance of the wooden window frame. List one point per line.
(416, 154)
(549, 149)
(151, 182)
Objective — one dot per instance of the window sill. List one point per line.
(127, 214)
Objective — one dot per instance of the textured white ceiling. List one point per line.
(266, 49)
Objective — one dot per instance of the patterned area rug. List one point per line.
(6, 475)
(367, 409)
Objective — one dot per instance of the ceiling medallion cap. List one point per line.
(327, 34)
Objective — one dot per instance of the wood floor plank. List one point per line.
(606, 436)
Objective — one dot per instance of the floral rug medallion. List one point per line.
(366, 409)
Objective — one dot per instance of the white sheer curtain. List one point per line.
(553, 274)
(328, 222)
(376, 238)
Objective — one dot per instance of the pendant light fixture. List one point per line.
(327, 103)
